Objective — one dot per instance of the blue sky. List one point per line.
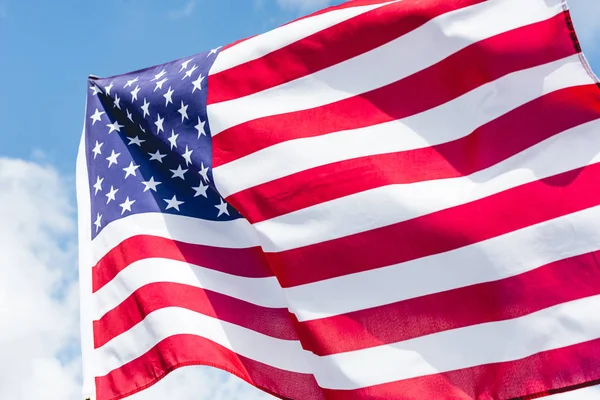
(47, 50)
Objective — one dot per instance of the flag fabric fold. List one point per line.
(381, 200)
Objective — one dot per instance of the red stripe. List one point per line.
(184, 350)
(477, 64)
(488, 145)
(233, 44)
(544, 373)
(562, 281)
(441, 231)
(328, 47)
(274, 322)
(348, 4)
(248, 262)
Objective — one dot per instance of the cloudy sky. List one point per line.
(47, 49)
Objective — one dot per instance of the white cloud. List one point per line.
(38, 290)
(303, 5)
(39, 340)
(186, 11)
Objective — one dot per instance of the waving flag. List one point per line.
(382, 200)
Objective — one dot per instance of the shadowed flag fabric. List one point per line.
(381, 200)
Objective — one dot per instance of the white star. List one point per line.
(159, 123)
(134, 93)
(203, 172)
(135, 140)
(98, 185)
(178, 173)
(184, 65)
(173, 203)
(189, 72)
(98, 222)
(151, 184)
(159, 75)
(112, 159)
(187, 156)
(111, 194)
(168, 96)
(198, 83)
(97, 149)
(129, 115)
(130, 170)
(96, 89)
(160, 84)
(97, 116)
(142, 128)
(173, 139)
(117, 102)
(200, 128)
(108, 88)
(131, 82)
(115, 127)
(201, 190)
(145, 108)
(222, 208)
(126, 206)
(213, 51)
(157, 156)
(183, 111)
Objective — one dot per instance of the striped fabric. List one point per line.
(419, 189)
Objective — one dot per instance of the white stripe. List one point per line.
(261, 45)
(85, 268)
(348, 215)
(436, 40)
(498, 258)
(264, 292)
(450, 121)
(230, 234)
(588, 393)
(556, 327)
(284, 354)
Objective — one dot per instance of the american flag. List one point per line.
(381, 200)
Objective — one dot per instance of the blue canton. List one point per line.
(149, 146)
